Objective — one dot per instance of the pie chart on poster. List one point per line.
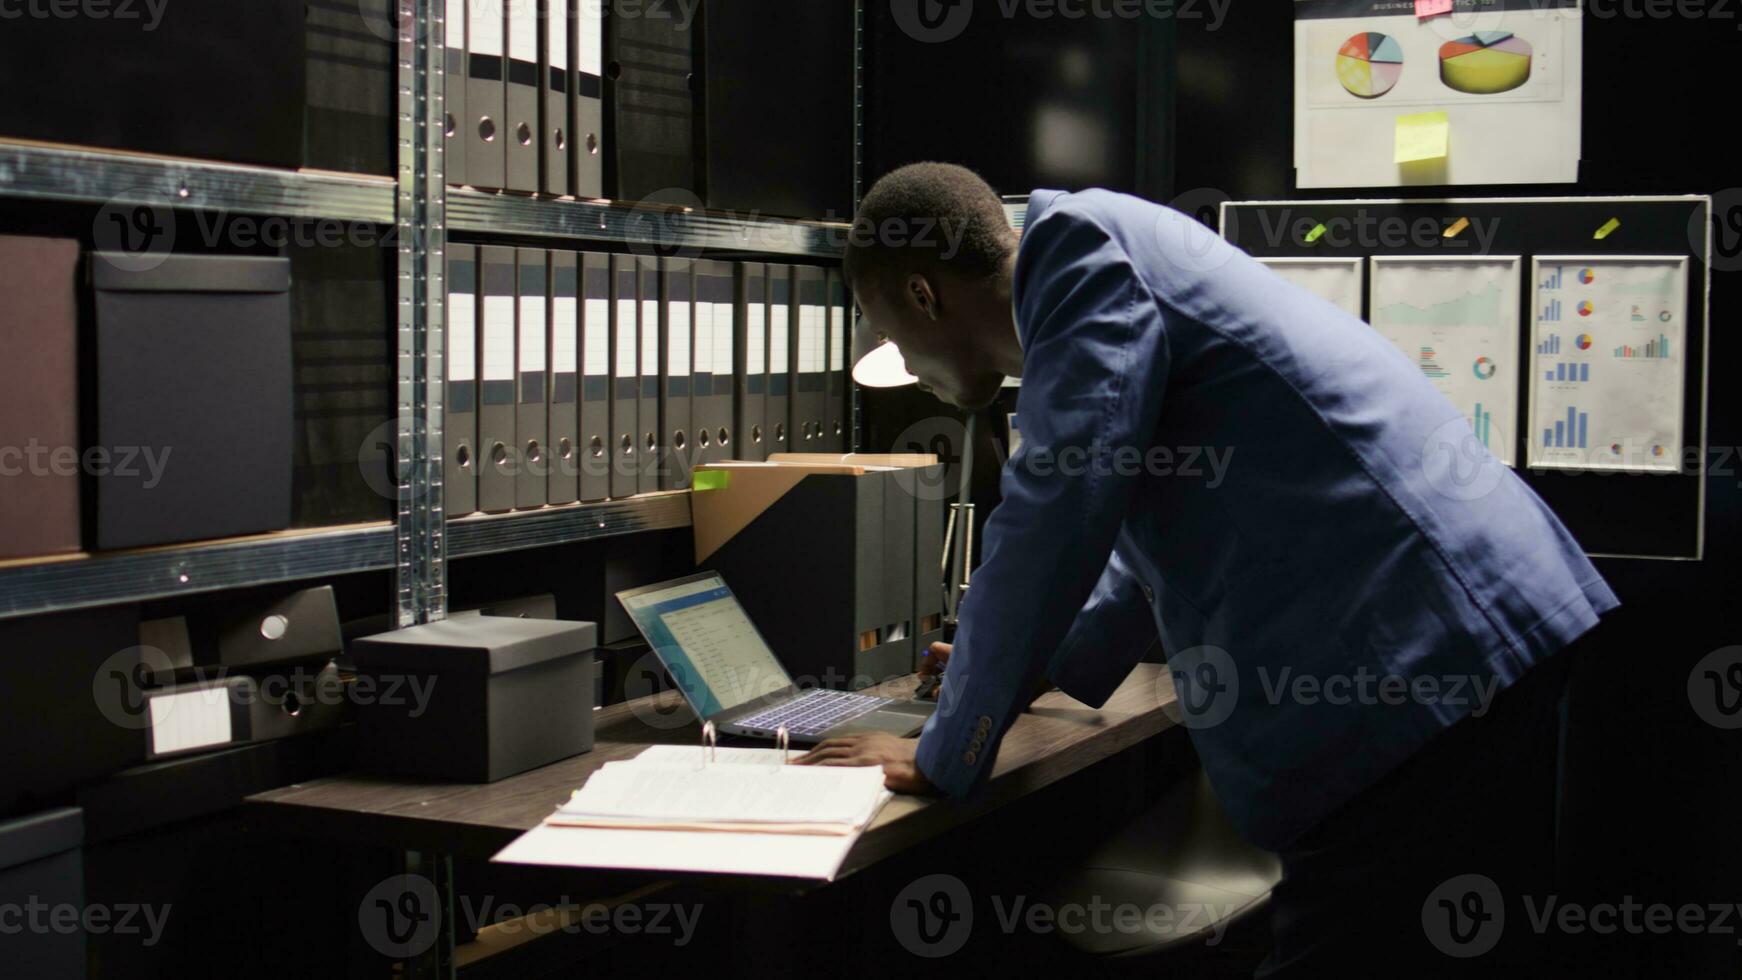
(1370, 64)
(1486, 63)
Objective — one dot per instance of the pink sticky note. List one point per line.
(1432, 8)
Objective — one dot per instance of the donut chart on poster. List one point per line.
(1486, 62)
(1370, 64)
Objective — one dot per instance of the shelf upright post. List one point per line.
(420, 593)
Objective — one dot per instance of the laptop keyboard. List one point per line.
(813, 713)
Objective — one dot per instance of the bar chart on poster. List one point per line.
(1607, 382)
(1458, 320)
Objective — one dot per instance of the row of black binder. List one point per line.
(584, 376)
(524, 87)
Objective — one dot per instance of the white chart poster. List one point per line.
(1336, 280)
(1458, 320)
(1609, 369)
(1507, 74)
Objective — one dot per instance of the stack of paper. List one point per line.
(740, 812)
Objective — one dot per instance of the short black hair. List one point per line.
(926, 217)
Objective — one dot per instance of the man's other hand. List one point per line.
(897, 756)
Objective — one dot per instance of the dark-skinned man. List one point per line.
(1353, 535)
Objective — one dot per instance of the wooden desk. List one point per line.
(1058, 737)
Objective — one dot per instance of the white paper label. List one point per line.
(190, 720)
(462, 337)
(625, 338)
(455, 25)
(723, 339)
(591, 59)
(598, 340)
(484, 27)
(565, 316)
(498, 338)
(677, 345)
(532, 333)
(523, 30)
(756, 339)
(559, 34)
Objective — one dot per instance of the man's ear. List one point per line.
(918, 293)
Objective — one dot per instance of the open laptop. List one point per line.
(729, 675)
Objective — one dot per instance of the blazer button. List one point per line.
(969, 758)
(977, 744)
(985, 722)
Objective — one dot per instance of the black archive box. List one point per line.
(476, 699)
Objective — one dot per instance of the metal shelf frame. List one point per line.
(416, 544)
(43, 172)
(653, 228)
(132, 576)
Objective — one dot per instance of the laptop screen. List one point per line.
(713, 651)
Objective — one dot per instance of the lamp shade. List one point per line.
(882, 367)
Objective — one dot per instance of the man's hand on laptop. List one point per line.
(897, 756)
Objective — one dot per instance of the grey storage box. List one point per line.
(42, 867)
(477, 699)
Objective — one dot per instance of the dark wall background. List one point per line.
(1650, 795)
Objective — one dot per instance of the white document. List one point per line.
(1609, 370)
(1509, 75)
(816, 857)
(1337, 281)
(1458, 320)
(779, 855)
(784, 795)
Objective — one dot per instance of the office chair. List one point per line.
(1182, 854)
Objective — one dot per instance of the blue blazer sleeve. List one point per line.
(1095, 364)
(1112, 633)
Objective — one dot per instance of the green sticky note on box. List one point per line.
(1423, 136)
(706, 480)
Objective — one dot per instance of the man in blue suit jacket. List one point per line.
(1350, 608)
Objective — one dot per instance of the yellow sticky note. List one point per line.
(1424, 136)
(1608, 229)
(1458, 228)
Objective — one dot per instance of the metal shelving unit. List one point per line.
(418, 541)
(132, 576)
(492, 534)
(57, 173)
(641, 226)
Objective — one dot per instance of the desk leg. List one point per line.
(436, 962)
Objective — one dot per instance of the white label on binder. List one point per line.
(756, 339)
(778, 329)
(565, 317)
(598, 341)
(677, 346)
(484, 27)
(704, 336)
(558, 16)
(532, 333)
(188, 720)
(591, 58)
(723, 340)
(523, 30)
(625, 338)
(462, 337)
(811, 324)
(498, 338)
(649, 338)
(456, 24)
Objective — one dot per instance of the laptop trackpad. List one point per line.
(879, 721)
